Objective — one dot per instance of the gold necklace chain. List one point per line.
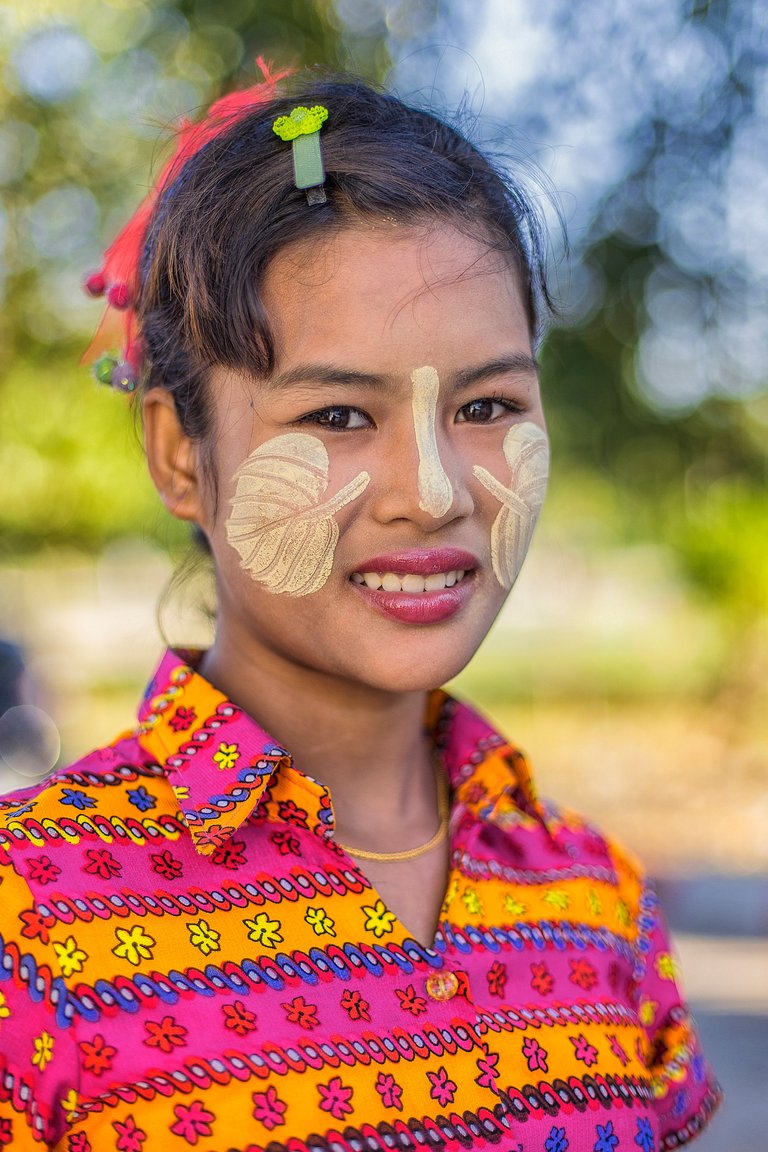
(443, 808)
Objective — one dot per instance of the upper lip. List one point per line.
(420, 561)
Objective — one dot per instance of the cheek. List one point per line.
(283, 531)
(526, 451)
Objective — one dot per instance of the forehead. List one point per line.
(397, 294)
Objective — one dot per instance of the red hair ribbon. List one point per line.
(118, 277)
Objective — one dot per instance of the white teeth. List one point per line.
(410, 582)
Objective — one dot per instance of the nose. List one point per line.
(430, 489)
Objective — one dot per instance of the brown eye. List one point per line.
(483, 411)
(337, 418)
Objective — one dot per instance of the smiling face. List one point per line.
(357, 532)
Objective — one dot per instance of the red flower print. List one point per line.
(130, 1137)
(102, 863)
(535, 1055)
(353, 1004)
(286, 843)
(182, 719)
(474, 793)
(584, 1051)
(443, 1088)
(78, 1142)
(229, 855)
(42, 869)
(583, 974)
(214, 836)
(268, 1108)
(299, 1012)
(335, 1098)
(35, 925)
(166, 865)
(541, 979)
(97, 1055)
(6, 1132)
(238, 1018)
(166, 1035)
(617, 1049)
(410, 1002)
(192, 1121)
(489, 1073)
(497, 978)
(619, 979)
(292, 814)
(390, 1091)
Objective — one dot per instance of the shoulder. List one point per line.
(98, 781)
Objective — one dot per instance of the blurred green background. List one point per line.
(632, 658)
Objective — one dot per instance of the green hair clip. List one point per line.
(302, 128)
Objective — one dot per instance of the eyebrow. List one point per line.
(516, 363)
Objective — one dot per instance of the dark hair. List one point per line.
(234, 206)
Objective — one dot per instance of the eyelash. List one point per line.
(321, 414)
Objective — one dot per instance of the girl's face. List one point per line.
(378, 491)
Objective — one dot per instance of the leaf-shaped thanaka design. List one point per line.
(526, 450)
(284, 536)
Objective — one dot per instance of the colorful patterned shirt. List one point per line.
(188, 959)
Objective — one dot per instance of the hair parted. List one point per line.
(234, 206)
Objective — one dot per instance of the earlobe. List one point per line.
(172, 457)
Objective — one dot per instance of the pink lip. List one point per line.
(420, 607)
(421, 562)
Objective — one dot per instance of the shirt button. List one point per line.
(442, 985)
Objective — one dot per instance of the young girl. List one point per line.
(312, 902)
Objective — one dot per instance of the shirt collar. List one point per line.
(220, 762)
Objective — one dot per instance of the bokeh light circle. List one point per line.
(30, 743)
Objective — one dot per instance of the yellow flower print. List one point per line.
(595, 906)
(379, 920)
(4, 1009)
(319, 919)
(181, 791)
(227, 756)
(70, 957)
(69, 1103)
(43, 1053)
(513, 906)
(647, 1012)
(134, 945)
(665, 966)
(472, 902)
(452, 893)
(204, 937)
(556, 899)
(264, 931)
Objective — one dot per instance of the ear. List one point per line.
(173, 458)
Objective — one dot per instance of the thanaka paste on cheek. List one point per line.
(526, 450)
(284, 535)
(435, 492)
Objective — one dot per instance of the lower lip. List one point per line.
(418, 607)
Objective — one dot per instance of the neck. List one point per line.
(367, 746)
